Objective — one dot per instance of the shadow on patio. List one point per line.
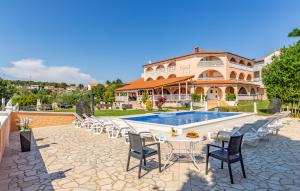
(27, 170)
(271, 165)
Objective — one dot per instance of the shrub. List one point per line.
(196, 97)
(149, 105)
(230, 97)
(145, 97)
(160, 102)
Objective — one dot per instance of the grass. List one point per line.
(247, 106)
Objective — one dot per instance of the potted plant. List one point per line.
(25, 134)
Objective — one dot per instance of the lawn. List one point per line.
(247, 106)
(113, 112)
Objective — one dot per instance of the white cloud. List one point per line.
(35, 69)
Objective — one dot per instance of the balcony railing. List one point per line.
(121, 98)
(246, 97)
(210, 63)
(211, 78)
(240, 66)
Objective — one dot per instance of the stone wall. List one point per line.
(42, 119)
(4, 132)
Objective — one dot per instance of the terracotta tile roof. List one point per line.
(141, 84)
(200, 82)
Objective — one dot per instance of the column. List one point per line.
(162, 91)
(236, 93)
(186, 90)
(179, 95)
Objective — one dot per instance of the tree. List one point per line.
(145, 97)
(7, 89)
(294, 33)
(80, 86)
(99, 91)
(282, 76)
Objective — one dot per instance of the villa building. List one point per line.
(210, 74)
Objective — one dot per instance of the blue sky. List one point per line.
(99, 40)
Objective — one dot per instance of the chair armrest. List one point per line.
(216, 146)
(223, 143)
(157, 144)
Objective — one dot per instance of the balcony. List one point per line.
(246, 97)
(240, 66)
(210, 63)
(211, 78)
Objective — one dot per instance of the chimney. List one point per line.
(196, 49)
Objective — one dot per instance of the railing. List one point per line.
(171, 68)
(121, 98)
(210, 63)
(174, 97)
(240, 66)
(247, 97)
(256, 79)
(211, 78)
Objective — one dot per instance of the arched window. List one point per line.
(252, 91)
(233, 75)
(210, 58)
(242, 62)
(210, 74)
(160, 78)
(229, 89)
(149, 79)
(210, 61)
(242, 76)
(232, 60)
(160, 68)
(172, 76)
(199, 90)
(149, 69)
(249, 77)
(242, 91)
(249, 64)
(172, 66)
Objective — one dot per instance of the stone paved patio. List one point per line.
(65, 158)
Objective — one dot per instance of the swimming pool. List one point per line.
(181, 118)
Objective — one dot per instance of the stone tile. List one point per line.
(76, 159)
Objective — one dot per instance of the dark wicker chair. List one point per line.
(139, 150)
(231, 154)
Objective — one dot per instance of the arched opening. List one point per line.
(229, 90)
(172, 76)
(214, 93)
(210, 74)
(249, 64)
(232, 75)
(242, 62)
(149, 79)
(158, 91)
(232, 60)
(149, 69)
(252, 91)
(242, 76)
(199, 90)
(182, 91)
(172, 66)
(242, 91)
(160, 68)
(211, 58)
(249, 77)
(160, 78)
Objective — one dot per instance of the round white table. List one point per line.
(189, 149)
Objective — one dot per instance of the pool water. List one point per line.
(181, 118)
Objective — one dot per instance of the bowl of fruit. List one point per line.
(192, 134)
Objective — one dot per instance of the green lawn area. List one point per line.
(247, 106)
(109, 112)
